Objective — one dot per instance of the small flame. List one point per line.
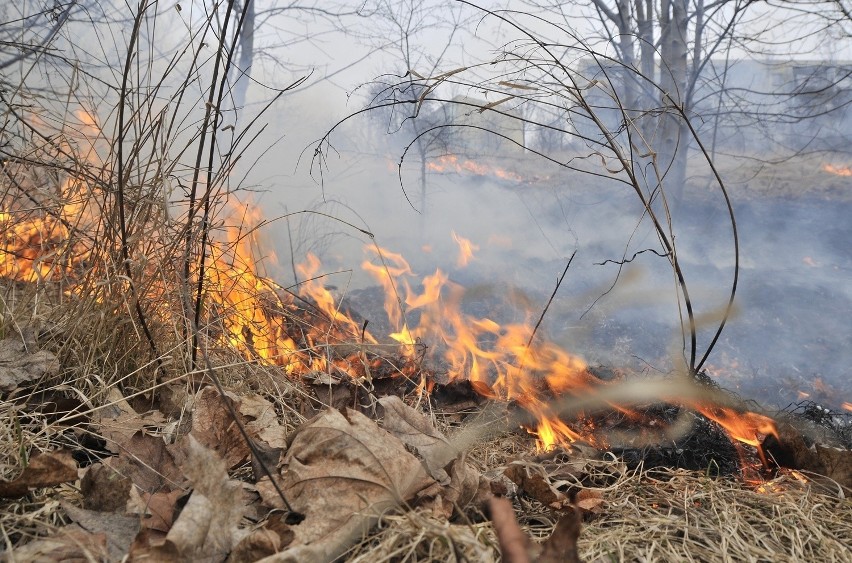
(847, 406)
(799, 476)
(837, 170)
(452, 163)
(466, 250)
(313, 288)
(746, 427)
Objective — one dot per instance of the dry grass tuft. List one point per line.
(418, 536)
(654, 515)
(678, 515)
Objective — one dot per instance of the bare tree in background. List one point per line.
(666, 43)
(669, 58)
(623, 111)
(28, 33)
(270, 28)
(418, 36)
(241, 73)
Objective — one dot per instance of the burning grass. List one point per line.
(141, 293)
(262, 337)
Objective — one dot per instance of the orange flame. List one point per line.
(746, 427)
(837, 170)
(508, 362)
(452, 163)
(254, 312)
(511, 367)
(245, 302)
(466, 250)
(847, 406)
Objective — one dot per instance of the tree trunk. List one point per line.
(673, 141)
(243, 68)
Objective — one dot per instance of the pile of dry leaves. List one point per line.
(178, 488)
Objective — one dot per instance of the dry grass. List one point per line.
(659, 515)
(758, 175)
(419, 536)
(679, 515)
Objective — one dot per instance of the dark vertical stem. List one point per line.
(121, 182)
(214, 110)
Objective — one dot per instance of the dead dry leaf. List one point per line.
(119, 529)
(589, 500)
(214, 427)
(263, 421)
(461, 490)
(20, 365)
(44, 470)
(119, 422)
(208, 526)
(342, 472)
(148, 463)
(416, 431)
(561, 546)
(70, 544)
(532, 479)
(157, 510)
(175, 400)
(150, 546)
(267, 459)
(268, 494)
(105, 489)
(257, 545)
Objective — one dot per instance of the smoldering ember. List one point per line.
(420, 281)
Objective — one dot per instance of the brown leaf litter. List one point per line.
(43, 470)
(179, 488)
(22, 364)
